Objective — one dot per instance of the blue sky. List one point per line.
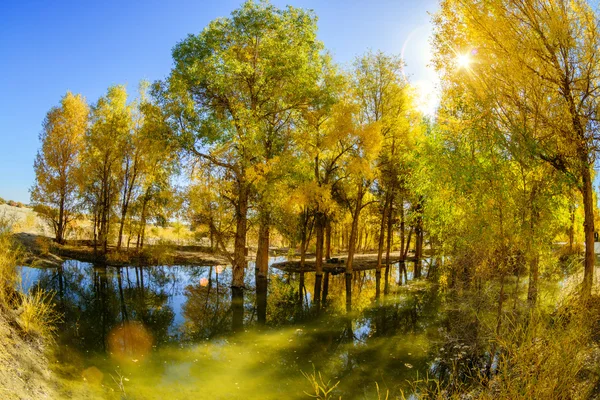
(47, 48)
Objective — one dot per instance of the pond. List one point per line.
(164, 332)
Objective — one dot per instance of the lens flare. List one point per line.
(130, 341)
(92, 375)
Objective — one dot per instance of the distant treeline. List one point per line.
(12, 203)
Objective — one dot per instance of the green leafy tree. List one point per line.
(232, 90)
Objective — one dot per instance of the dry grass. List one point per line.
(321, 390)
(43, 245)
(38, 314)
(9, 256)
(547, 356)
(35, 309)
(542, 355)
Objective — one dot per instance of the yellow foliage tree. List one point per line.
(57, 164)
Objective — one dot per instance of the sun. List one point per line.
(463, 61)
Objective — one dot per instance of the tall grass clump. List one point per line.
(38, 314)
(539, 355)
(549, 356)
(9, 257)
(35, 310)
(321, 390)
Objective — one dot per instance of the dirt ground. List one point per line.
(24, 371)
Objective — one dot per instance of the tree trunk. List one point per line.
(104, 227)
(105, 206)
(142, 230)
(143, 233)
(571, 227)
(124, 202)
(302, 261)
(60, 231)
(348, 277)
(402, 262)
(352, 246)
(121, 295)
(404, 254)
(239, 256)
(95, 231)
(262, 268)
(588, 227)
(320, 220)
(121, 226)
(124, 209)
(380, 247)
(328, 240)
(388, 247)
(325, 288)
(418, 241)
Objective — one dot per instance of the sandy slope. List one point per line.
(24, 372)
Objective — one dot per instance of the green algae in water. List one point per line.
(192, 354)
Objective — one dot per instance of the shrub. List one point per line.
(117, 257)
(38, 313)
(2, 201)
(43, 245)
(158, 254)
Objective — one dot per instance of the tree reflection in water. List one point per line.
(398, 336)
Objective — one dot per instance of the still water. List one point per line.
(164, 332)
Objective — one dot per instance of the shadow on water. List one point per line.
(167, 327)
